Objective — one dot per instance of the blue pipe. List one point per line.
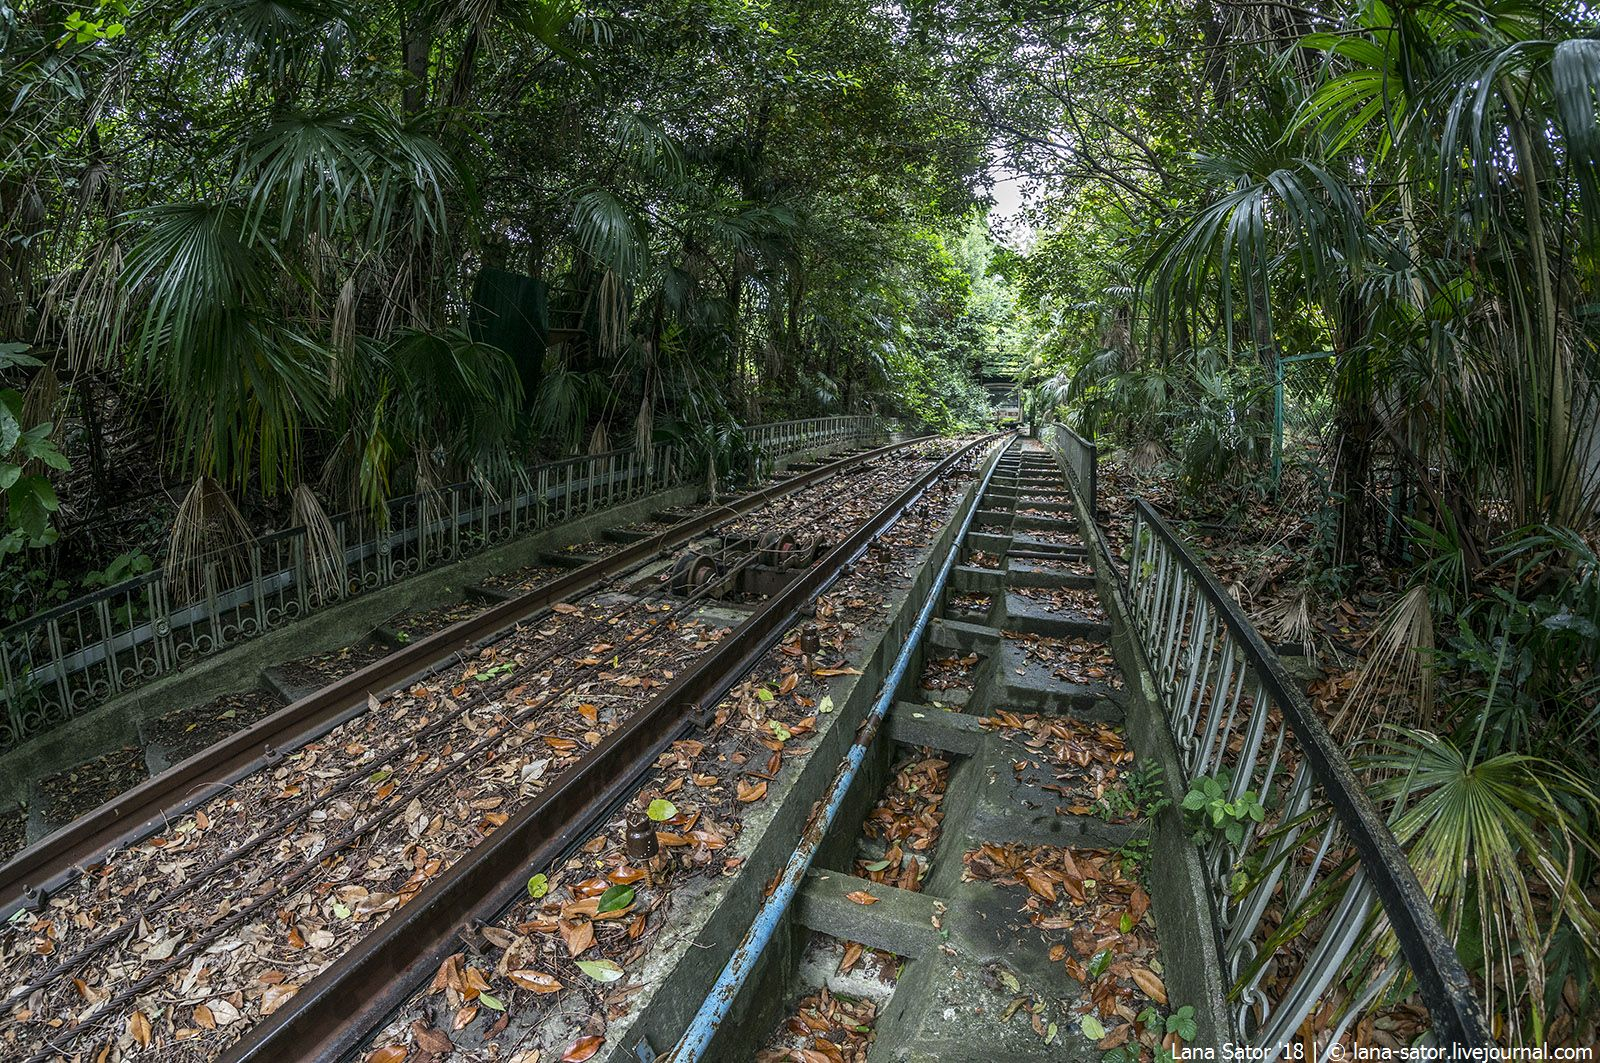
(714, 1009)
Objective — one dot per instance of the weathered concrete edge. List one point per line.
(708, 936)
(117, 721)
(1180, 892)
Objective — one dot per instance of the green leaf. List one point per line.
(490, 1002)
(877, 865)
(661, 810)
(825, 706)
(1098, 965)
(615, 898)
(779, 731)
(1127, 922)
(538, 886)
(763, 693)
(600, 970)
(1091, 1027)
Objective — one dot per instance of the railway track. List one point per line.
(319, 857)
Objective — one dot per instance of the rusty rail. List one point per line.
(43, 867)
(333, 1013)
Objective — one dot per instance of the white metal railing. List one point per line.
(1307, 880)
(55, 665)
(1081, 456)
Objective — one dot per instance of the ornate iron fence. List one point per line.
(1081, 456)
(1307, 878)
(63, 661)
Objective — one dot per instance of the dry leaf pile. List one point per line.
(906, 822)
(1076, 601)
(1075, 660)
(825, 1028)
(1083, 757)
(949, 673)
(1097, 923)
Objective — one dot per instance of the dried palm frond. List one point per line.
(432, 510)
(1148, 456)
(342, 331)
(1398, 663)
(1289, 620)
(41, 398)
(324, 556)
(340, 480)
(644, 426)
(612, 313)
(599, 442)
(209, 536)
(88, 306)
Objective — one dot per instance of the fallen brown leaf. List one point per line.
(583, 1048)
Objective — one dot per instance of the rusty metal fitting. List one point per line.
(810, 641)
(641, 841)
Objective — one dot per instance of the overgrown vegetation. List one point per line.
(257, 248)
(1393, 210)
(245, 250)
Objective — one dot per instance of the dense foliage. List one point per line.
(239, 243)
(243, 238)
(1394, 209)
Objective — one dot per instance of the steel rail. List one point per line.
(50, 863)
(697, 1039)
(289, 875)
(287, 871)
(334, 1012)
(1441, 978)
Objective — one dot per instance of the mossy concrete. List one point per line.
(970, 957)
(704, 930)
(1181, 894)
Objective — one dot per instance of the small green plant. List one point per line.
(1132, 856)
(489, 673)
(29, 502)
(1140, 795)
(1180, 1022)
(124, 566)
(1208, 809)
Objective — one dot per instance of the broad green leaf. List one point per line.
(538, 886)
(600, 970)
(615, 898)
(661, 810)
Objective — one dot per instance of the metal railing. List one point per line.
(61, 662)
(1081, 456)
(1304, 895)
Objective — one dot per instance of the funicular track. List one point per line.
(1028, 886)
(38, 870)
(318, 1021)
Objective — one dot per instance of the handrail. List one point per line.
(1228, 700)
(1081, 456)
(61, 661)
